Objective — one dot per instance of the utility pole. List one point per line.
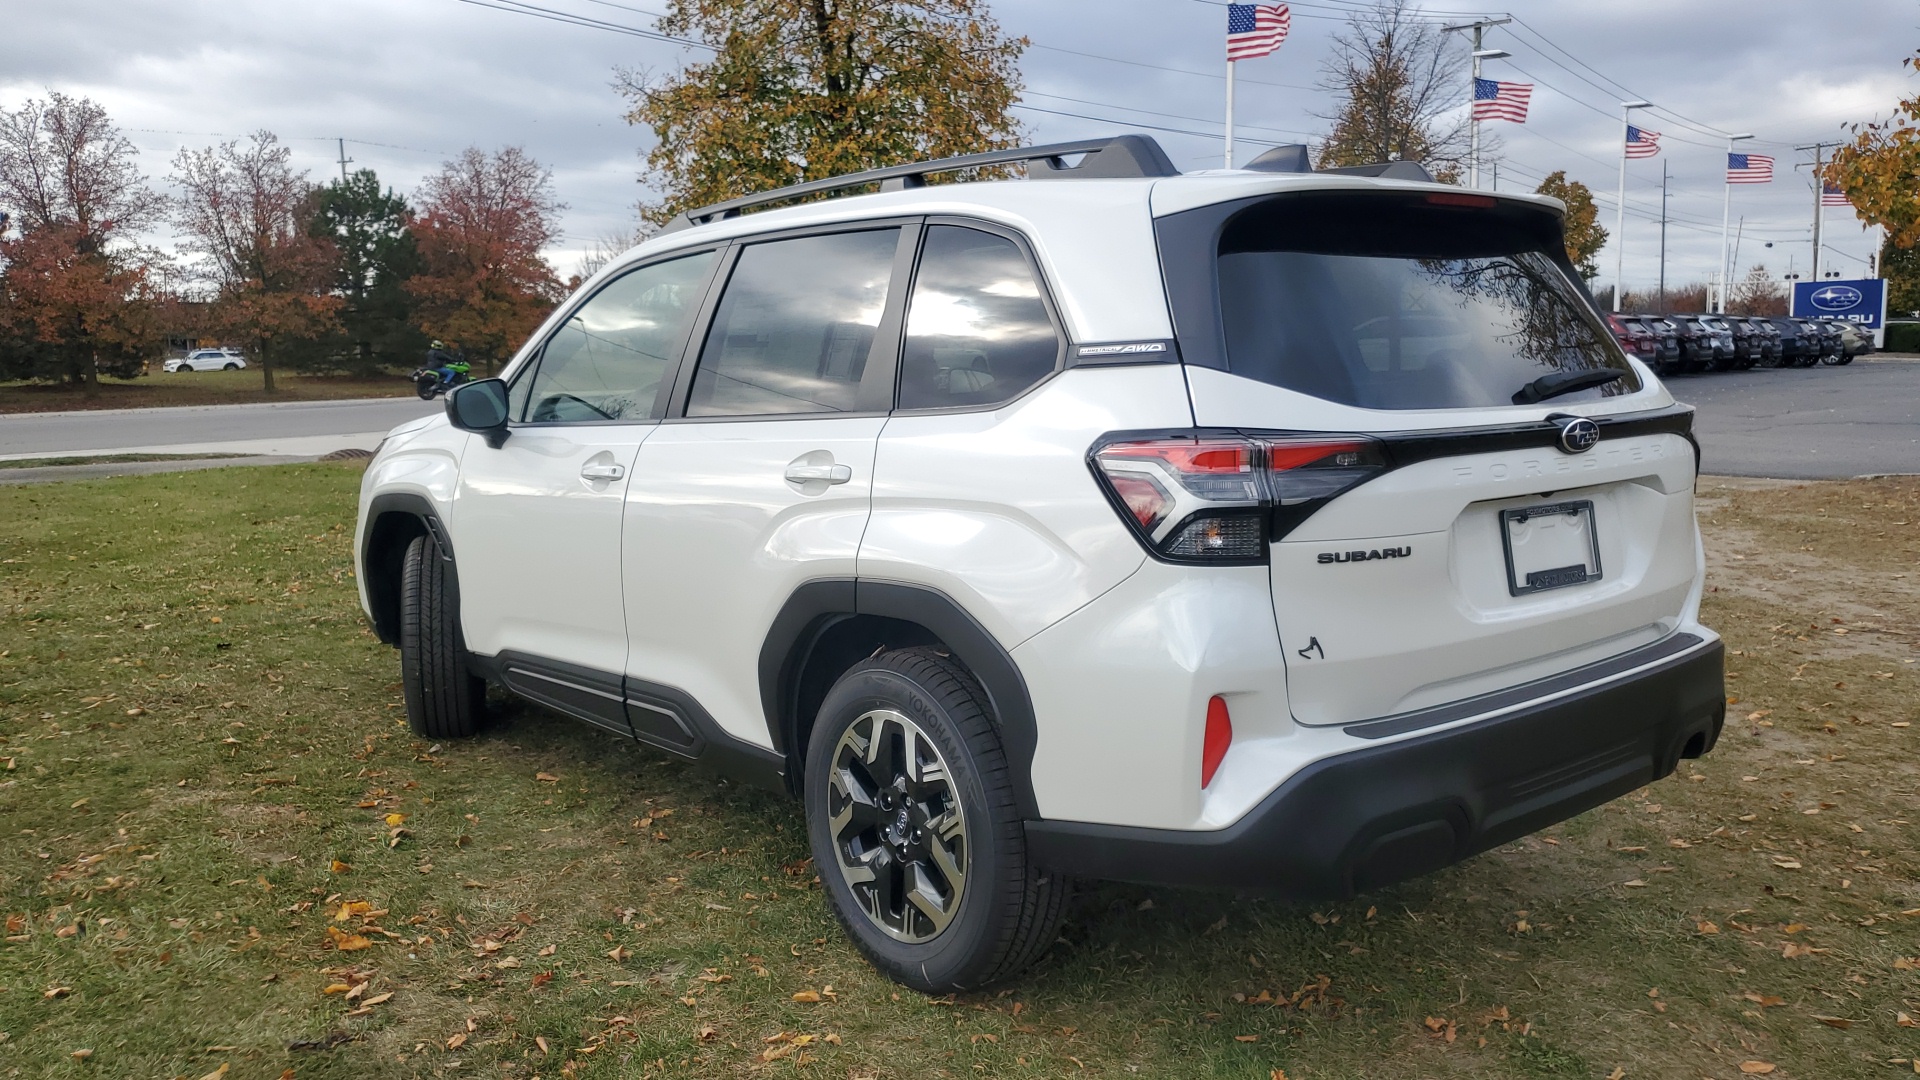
(1726, 208)
(344, 161)
(1726, 287)
(1819, 159)
(1479, 28)
(1620, 205)
(1663, 237)
(1496, 176)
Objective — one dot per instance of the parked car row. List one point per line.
(1674, 344)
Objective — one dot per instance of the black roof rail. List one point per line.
(1386, 170)
(1114, 157)
(1292, 158)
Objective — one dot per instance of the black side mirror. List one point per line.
(480, 407)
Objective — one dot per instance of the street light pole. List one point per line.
(1620, 207)
(1726, 209)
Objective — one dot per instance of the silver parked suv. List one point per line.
(1269, 528)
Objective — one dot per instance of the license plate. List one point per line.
(1550, 547)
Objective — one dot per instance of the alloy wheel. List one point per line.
(899, 831)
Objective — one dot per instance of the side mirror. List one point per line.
(480, 407)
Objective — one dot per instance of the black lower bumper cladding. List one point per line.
(1385, 813)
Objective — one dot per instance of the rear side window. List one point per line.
(1388, 302)
(977, 330)
(795, 325)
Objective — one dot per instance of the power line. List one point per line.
(1134, 123)
(516, 7)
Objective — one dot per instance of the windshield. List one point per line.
(1396, 302)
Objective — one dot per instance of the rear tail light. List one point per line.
(1219, 499)
(1218, 737)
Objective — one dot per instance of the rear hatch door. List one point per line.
(1495, 531)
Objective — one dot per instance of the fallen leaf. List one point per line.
(549, 950)
(1840, 1022)
(1901, 1019)
(619, 954)
(1636, 883)
(457, 1041)
(1618, 1073)
(1765, 1001)
(808, 996)
(347, 942)
(541, 1042)
(1794, 950)
(82, 1055)
(217, 1073)
(706, 1033)
(377, 999)
(339, 867)
(336, 988)
(1706, 927)
(395, 819)
(351, 908)
(541, 979)
(1246, 1038)
(1277, 1074)
(1785, 863)
(1756, 1068)
(546, 777)
(57, 992)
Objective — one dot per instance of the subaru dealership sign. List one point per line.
(1863, 301)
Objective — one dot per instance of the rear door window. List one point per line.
(795, 325)
(1387, 302)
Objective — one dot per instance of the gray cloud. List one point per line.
(410, 82)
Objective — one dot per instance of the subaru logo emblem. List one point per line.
(1577, 433)
(1836, 298)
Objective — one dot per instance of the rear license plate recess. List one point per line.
(1550, 546)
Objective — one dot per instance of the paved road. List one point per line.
(304, 428)
(1812, 423)
(1807, 423)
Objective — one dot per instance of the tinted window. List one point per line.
(795, 325)
(1396, 303)
(977, 331)
(606, 361)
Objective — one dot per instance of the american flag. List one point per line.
(1254, 30)
(1501, 100)
(1833, 196)
(1642, 143)
(1749, 169)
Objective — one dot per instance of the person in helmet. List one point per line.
(453, 367)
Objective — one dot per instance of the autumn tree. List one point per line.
(1901, 267)
(246, 210)
(1396, 75)
(805, 89)
(77, 295)
(1758, 293)
(375, 255)
(483, 222)
(1880, 170)
(1585, 236)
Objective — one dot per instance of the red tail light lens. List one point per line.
(1216, 499)
(1219, 736)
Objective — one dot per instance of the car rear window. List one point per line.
(1407, 302)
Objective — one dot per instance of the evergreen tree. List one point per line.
(376, 254)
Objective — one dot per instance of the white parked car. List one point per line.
(208, 360)
(1301, 531)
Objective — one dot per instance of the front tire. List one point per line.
(444, 699)
(915, 831)
(183, 370)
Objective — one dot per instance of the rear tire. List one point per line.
(231, 367)
(908, 793)
(426, 386)
(444, 699)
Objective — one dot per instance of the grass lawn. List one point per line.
(197, 388)
(219, 847)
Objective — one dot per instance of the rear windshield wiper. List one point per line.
(1562, 382)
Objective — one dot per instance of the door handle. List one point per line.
(602, 471)
(832, 474)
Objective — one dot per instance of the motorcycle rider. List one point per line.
(451, 367)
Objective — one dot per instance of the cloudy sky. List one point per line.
(409, 82)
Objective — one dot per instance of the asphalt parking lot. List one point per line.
(1823, 423)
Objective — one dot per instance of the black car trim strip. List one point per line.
(1479, 705)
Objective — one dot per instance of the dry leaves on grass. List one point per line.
(1757, 1068)
(346, 942)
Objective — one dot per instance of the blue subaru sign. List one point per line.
(1862, 301)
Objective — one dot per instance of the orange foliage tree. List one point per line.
(245, 209)
(483, 221)
(1880, 171)
(77, 294)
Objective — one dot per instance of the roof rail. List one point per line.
(1118, 156)
(1292, 158)
(1386, 170)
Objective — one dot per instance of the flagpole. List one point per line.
(1726, 210)
(1620, 204)
(1229, 114)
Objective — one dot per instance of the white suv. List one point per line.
(208, 360)
(1274, 529)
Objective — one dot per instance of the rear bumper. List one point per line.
(1381, 814)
